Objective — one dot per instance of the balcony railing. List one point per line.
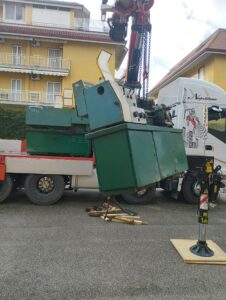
(81, 24)
(91, 25)
(35, 62)
(30, 98)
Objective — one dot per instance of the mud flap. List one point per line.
(2, 168)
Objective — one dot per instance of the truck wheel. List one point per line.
(144, 196)
(44, 189)
(6, 187)
(191, 189)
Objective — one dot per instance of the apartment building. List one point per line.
(45, 46)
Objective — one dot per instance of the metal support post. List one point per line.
(201, 248)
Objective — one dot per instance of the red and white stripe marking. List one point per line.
(204, 200)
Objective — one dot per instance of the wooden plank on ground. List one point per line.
(183, 248)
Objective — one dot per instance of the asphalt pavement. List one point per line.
(58, 252)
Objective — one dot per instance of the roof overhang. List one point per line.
(34, 71)
(54, 3)
(53, 34)
(183, 69)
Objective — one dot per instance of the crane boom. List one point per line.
(137, 72)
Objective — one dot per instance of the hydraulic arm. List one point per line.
(137, 73)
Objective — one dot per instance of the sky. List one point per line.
(178, 26)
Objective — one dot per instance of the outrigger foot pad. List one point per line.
(201, 249)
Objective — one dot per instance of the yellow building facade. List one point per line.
(44, 48)
(212, 69)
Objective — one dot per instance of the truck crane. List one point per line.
(62, 144)
(106, 142)
(137, 77)
(137, 73)
(59, 156)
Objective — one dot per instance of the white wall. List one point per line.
(10, 145)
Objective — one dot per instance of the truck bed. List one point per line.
(23, 163)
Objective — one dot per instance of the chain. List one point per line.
(144, 64)
(147, 63)
(140, 65)
(149, 57)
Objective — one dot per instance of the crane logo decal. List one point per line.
(197, 96)
(194, 131)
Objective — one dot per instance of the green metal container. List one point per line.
(53, 117)
(57, 142)
(130, 156)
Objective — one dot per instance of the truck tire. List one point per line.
(44, 189)
(190, 189)
(6, 187)
(144, 196)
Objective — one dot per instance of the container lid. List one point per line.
(129, 126)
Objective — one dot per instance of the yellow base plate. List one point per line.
(183, 248)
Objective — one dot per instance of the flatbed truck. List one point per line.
(45, 178)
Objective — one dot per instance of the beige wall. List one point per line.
(72, 18)
(27, 83)
(208, 69)
(83, 59)
(6, 78)
(220, 70)
(214, 70)
(1, 11)
(28, 14)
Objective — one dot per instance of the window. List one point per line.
(14, 11)
(217, 123)
(38, 6)
(16, 85)
(54, 58)
(50, 17)
(64, 9)
(51, 7)
(53, 90)
(201, 73)
(17, 55)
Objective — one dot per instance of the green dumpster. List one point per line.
(53, 117)
(57, 142)
(131, 156)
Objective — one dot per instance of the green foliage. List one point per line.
(12, 123)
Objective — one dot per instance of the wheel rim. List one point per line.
(141, 193)
(45, 185)
(197, 189)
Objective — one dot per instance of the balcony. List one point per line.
(30, 98)
(57, 66)
(82, 24)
